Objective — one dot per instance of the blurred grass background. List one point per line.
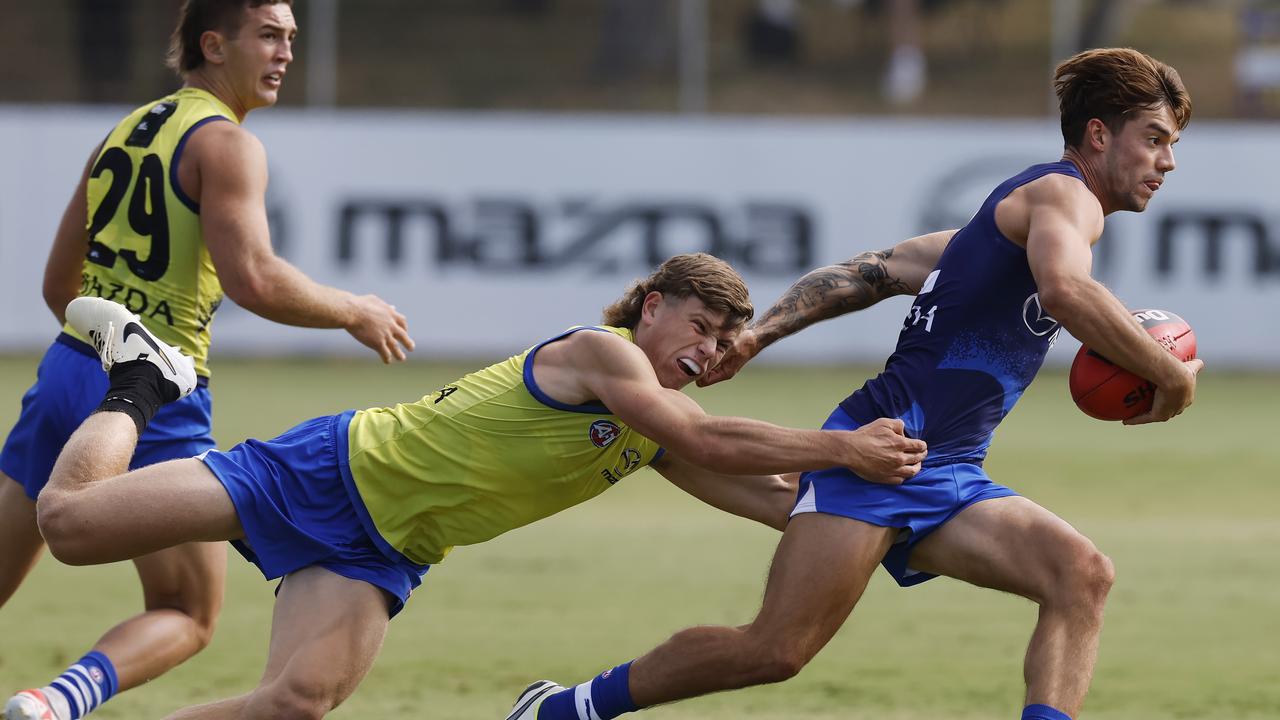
(1189, 511)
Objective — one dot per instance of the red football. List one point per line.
(1109, 392)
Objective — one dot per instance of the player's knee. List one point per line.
(201, 614)
(1089, 576)
(1099, 575)
(204, 628)
(60, 518)
(291, 699)
(782, 666)
(778, 663)
(200, 631)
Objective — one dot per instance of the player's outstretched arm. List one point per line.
(233, 182)
(767, 499)
(834, 290)
(65, 266)
(1064, 220)
(619, 374)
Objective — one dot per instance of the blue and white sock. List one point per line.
(1043, 712)
(604, 697)
(84, 686)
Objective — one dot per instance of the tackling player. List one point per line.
(352, 509)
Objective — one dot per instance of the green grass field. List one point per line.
(1189, 511)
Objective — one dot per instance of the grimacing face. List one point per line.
(258, 56)
(1139, 157)
(682, 338)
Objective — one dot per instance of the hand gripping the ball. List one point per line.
(1106, 391)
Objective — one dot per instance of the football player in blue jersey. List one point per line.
(989, 301)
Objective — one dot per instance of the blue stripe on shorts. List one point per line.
(69, 386)
(919, 506)
(294, 507)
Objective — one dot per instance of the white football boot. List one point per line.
(526, 707)
(29, 705)
(119, 336)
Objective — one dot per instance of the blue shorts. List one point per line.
(296, 511)
(919, 506)
(69, 386)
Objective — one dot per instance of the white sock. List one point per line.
(57, 703)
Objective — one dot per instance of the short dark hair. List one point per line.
(704, 276)
(1110, 83)
(200, 16)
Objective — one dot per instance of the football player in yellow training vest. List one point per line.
(351, 509)
(169, 211)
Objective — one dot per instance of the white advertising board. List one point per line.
(493, 231)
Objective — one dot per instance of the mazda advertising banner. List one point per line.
(492, 232)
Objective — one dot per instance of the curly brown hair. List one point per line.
(200, 16)
(707, 277)
(1110, 83)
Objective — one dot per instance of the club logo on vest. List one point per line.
(603, 432)
(630, 459)
(1039, 322)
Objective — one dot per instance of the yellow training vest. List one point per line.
(484, 455)
(146, 250)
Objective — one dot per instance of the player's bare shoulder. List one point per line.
(588, 348)
(574, 367)
(224, 153)
(1055, 194)
(225, 139)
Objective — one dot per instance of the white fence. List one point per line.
(491, 232)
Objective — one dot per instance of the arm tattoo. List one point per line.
(855, 284)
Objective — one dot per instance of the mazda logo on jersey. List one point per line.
(1039, 322)
(603, 432)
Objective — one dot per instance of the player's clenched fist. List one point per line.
(744, 347)
(882, 453)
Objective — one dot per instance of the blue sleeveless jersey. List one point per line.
(972, 342)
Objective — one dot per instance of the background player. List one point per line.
(173, 203)
(350, 509)
(988, 306)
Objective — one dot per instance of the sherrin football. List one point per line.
(1108, 392)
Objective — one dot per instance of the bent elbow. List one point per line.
(57, 299)
(1061, 298)
(780, 515)
(784, 493)
(247, 292)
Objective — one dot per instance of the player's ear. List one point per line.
(649, 306)
(1097, 134)
(213, 46)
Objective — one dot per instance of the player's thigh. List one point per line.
(819, 572)
(188, 577)
(138, 513)
(326, 631)
(1009, 544)
(20, 541)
